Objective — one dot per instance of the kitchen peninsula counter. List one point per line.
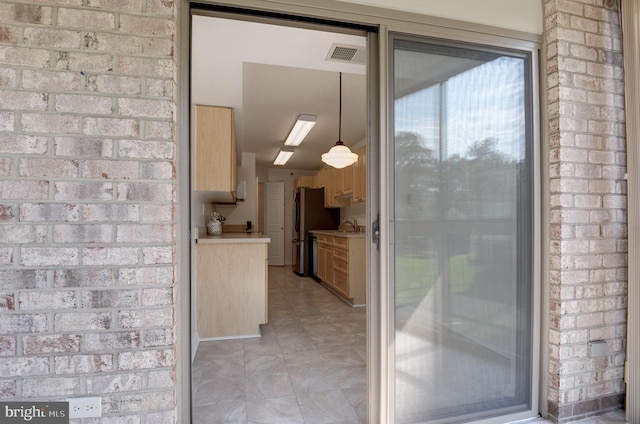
(204, 238)
(231, 280)
(336, 233)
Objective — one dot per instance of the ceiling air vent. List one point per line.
(347, 53)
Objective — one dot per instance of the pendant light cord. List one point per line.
(340, 113)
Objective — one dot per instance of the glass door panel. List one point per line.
(462, 255)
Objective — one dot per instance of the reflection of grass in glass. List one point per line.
(416, 275)
(461, 273)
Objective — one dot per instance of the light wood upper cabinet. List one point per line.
(343, 181)
(329, 188)
(304, 181)
(360, 177)
(338, 181)
(343, 185)
(347, 179)
(318, 178)
(215, 151)
(332, 179)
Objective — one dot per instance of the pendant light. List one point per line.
(339, 156)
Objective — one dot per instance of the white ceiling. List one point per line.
(271, 74)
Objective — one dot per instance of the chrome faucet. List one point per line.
(353, 222)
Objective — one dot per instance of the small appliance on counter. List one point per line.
(309, 214)
(214, 225)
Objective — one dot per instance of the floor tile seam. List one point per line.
(330, 391)
(222, 401)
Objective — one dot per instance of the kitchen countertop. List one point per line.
(204, 238)
(336, 233)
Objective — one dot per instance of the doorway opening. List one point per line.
(311, 357)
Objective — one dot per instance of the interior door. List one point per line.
(275, 222)
(461, 239)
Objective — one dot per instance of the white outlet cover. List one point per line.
(85, 407)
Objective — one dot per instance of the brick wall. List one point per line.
(87, 204)
(588, 206)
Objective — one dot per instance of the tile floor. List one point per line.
(617, 417)
(308, 367)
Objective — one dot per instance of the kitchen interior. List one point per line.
(278, 246)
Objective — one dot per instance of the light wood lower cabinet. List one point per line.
(342, 268)
(231, 289)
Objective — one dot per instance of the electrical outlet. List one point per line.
(85, 407)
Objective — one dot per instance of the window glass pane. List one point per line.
(462, 188)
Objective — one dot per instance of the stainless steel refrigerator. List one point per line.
(309, 214)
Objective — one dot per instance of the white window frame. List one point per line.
(538, 372)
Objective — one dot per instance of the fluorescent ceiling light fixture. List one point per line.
(300, 129)
(283, 156)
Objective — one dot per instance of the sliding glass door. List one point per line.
(462, 240)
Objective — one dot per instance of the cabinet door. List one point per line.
(347, 179)
(322, 261)
(338, 181)
(214, 150)
(341, 267)
(360, 177)
(329, 189)
(266, 283)
(231, 293)
(341, 282)
(319, 178)
(304, 181)
(329, 278)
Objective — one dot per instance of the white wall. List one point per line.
(357, 211)
(246, 210)
(519, 15)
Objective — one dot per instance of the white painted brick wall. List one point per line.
(87, 204)
(588, 206)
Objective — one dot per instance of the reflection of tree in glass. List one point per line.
(416, 176)
(482, 184)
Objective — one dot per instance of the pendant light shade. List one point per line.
(339, 156)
